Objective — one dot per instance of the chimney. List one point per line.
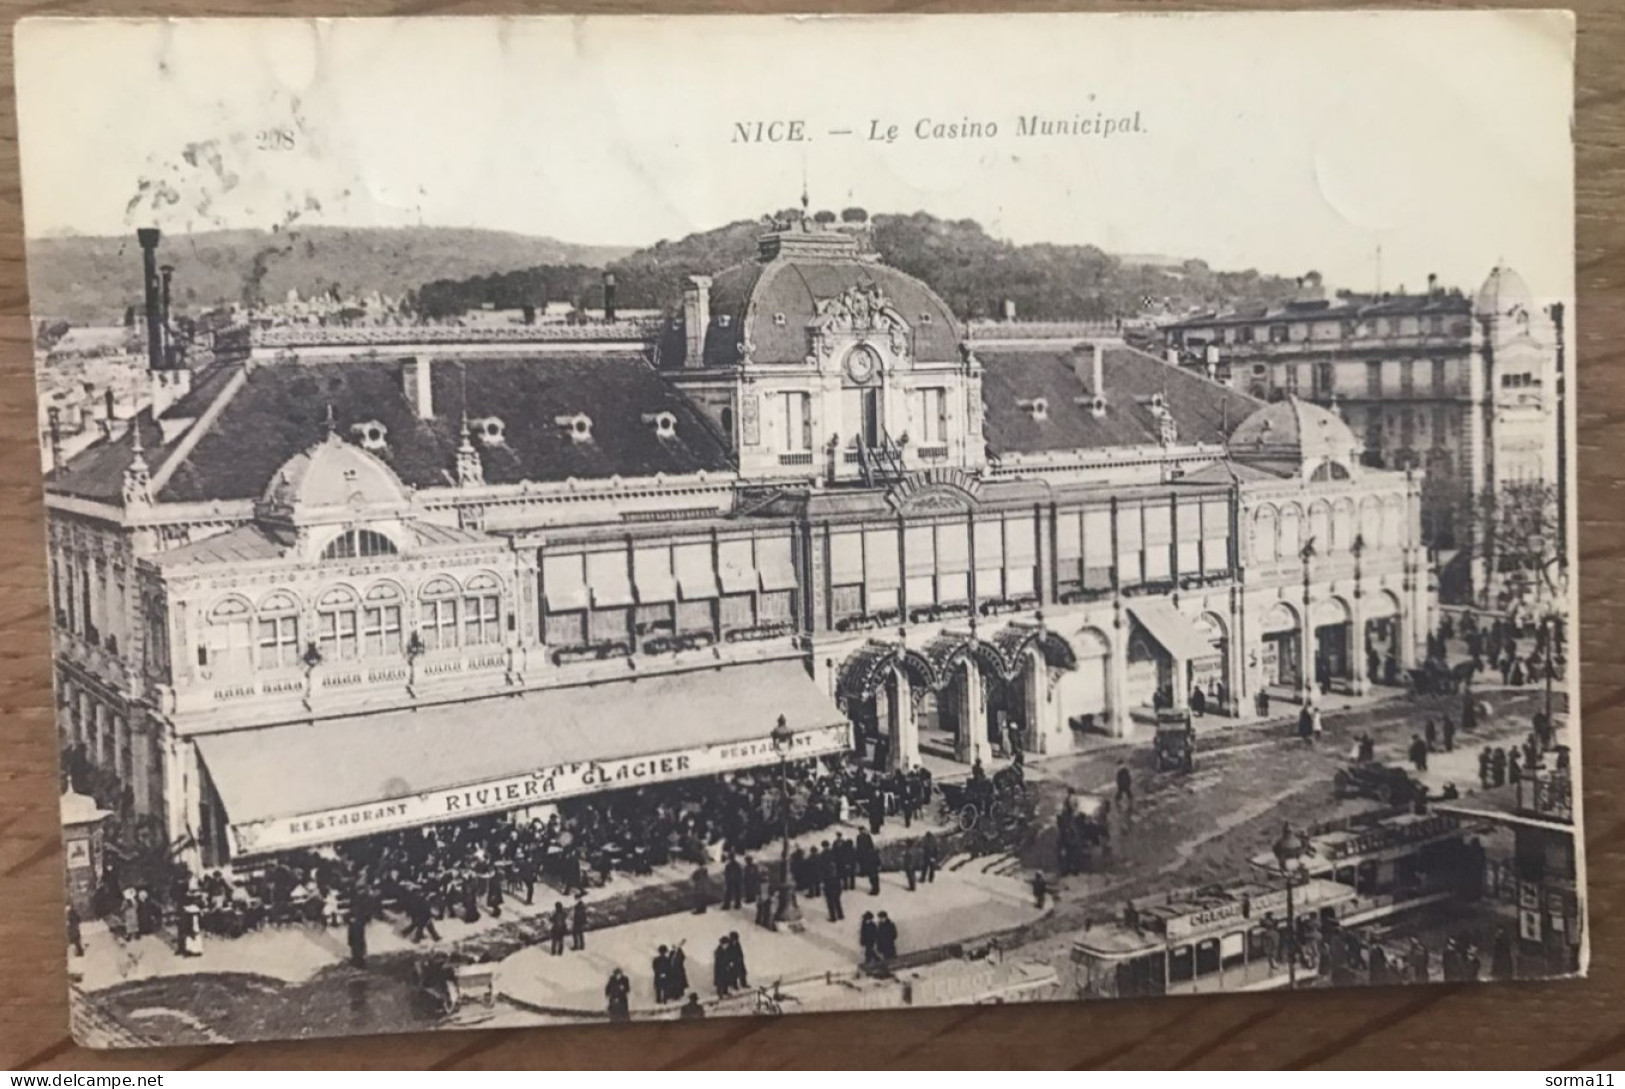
(609, 296)
(148, 238)
(417, 383)
(1097, 379)
(1173, 357)
(696, 318)
(109, 416)
(1433, 284)
(1009, 310)
(54, 415)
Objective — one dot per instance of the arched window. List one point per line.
(440, 598)
(1330, 470)
(228, 638)
(338, 624)
(278, 631)
(1320, 527)
(1266, 546)
(381, 621)
(359, 543)
(1291, 532)
(482, 611)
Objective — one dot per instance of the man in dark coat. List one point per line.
(1419, 753)
(1501, 955)
(868, 935)
(814, 869)
(722, 969)
(928, 858)
(692, 1010)
(798, 869)
(558, 927)
(877, 814)
(420, 915)
(76, 940)
(764, 909)
(736, 960)
(885, 937)
(662, 974)
(356, 929)
(832, 888)
(578, 924)
(911, 864)
(1449, 732)
(752, 880)
(733, 884)
(617, 992)
(868, 860)
(846, 862)
(677, 972)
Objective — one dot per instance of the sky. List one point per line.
(1283, 142)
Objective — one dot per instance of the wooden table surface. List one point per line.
(1550, 1026)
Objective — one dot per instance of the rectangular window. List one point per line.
(1441, 380)
(694, 616)
(564, 583)
(1373, 378)
(340, 632)
(922, 591)
(736, 567)
(652, 577)
(952, 586)
(279, 642)
(953, 548)
(1097, 538)
(1278, 334)
(440, 624)
(653, 619)
(846, 601)
(738, 612)
(1244, 335)
(1441, 425)
(1020, 556)
(1325, 379)
(846, 558)
(565, 629)
(1129, 542)
(919, 550)
(381, 630)
(1190, 557)
(880, 568)
(608, 579)
(229, 645)
(696, 580)
(482, 614)
(1407, 378)
(795, 425)
(778, 607)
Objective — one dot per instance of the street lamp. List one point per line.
(789, 912)
(1290, 848)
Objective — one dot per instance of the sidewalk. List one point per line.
(954, 908)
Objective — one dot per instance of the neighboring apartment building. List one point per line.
(1464, 390)
(349, 584)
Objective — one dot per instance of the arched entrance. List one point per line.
(1330, 620)
(966, 714)
(1211, 676)
(1382, 638)
(1035, 660)
(879, 687)
(1083, 693)
(1282, 648)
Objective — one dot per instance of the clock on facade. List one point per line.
(861, 365)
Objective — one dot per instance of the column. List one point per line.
(1306, 658)
(1047, 719)
(900, 725)
(1357, 645)
(1180, 672)
(1121, 723)
(972, 744)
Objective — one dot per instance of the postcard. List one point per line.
(576, 520)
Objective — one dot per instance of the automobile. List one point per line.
(1386, 783)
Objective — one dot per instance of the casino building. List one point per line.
(350, 580)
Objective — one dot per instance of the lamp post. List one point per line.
(1290, 848)
(789, 912)
(1309, 675)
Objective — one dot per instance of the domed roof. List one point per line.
(1503, 292)
(769, 303)
(334, 473)
(1294, 434)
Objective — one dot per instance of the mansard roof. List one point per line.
(250, 429)
(1060, 375)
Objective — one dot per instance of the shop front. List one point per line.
(305, 785)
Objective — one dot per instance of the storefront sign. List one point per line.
(1384, 836)
(519, 791)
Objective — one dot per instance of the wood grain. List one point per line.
(1549, 1026)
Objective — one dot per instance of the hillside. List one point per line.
(91, 279)
(973, 271)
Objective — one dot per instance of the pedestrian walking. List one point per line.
(868, 935)
(1430, 734)
(752, 880)
(1040, 889)
(662, 975)
(868, 861)
(911, 865)
(1261, 703)
(877, 814)
(558, 928)
(764, 910)
(885, 937)
(617, 993)
(1449, 732)
(76, 940)
(722, 969)
(1125, 791)
(1419, 752)
(578, 923)
(1316, 726)
(928, 858)
(420, 916)
(356, 933)
(741, 976)
(1306, 726)
(733, 884)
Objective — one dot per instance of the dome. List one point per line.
(769, 303)
(1503, 292)
(1294, 436)
(333, 473)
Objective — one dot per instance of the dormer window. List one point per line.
(778, 319)
(578, 427)
(1038, 408)
(358, 543)
(489, 430)
(724, 320)
(371, 434)
(664, 423)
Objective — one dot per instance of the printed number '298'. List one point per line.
(274, 139)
